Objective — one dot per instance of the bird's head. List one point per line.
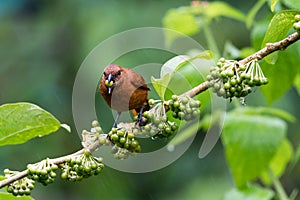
(111, 75)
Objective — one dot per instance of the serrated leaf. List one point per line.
(278, 28)
(160, 85)
(279, 162)
(7, 196)
(250, 143)
(252, 192)
(253, 12)
(219, 8)
(20, 122)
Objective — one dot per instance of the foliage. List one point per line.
(21, 122)
(255, 139)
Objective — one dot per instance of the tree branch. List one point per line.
(56, 161)
(270, 48)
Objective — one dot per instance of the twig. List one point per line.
(270, 48)
(56, 161)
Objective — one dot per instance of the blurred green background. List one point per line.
(42, 45)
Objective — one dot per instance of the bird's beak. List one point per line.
(109, 83)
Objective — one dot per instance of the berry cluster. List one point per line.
(296, 25)
(125, 140)
(19, 187)
(158, 124)
(89, 138)
(229, 79)
(81, 166)
(43, 172)
(184, 107)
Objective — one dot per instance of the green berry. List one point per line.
(95, 123)
(151, 102)
(296, 25)
(115, 137)
(130, 135)
(122, 140)
(174, 97)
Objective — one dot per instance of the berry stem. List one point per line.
(270, 48)
(56, 161)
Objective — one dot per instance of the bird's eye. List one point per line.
(119, 73)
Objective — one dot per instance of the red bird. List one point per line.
(123, 89)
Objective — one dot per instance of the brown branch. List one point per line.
(56, 161)
(197, 90)
(270, 48)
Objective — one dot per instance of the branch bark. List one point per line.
(270, 48)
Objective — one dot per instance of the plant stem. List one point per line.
(281, 45)
(278, 186)
(56, 161)
(270, 48)
(211, 43)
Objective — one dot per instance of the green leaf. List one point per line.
(279, 162)
(282, 75)
(180, 20)
(297, 83)
(295, 159)
(177, 62)
(252, 192)
(160, 85)
(246, 51)
(220, 8)
(230, 51)
(20, 122)
(278, 28)
(293, 4)
(172, 65)
(250, 143)
(253, 12)
(7, 196)
(275, 112)
(273, 4)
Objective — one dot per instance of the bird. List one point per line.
(123, 89)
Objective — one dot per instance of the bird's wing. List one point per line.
(139, 82)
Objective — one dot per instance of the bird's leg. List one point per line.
(139, 120)
(116, 120)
